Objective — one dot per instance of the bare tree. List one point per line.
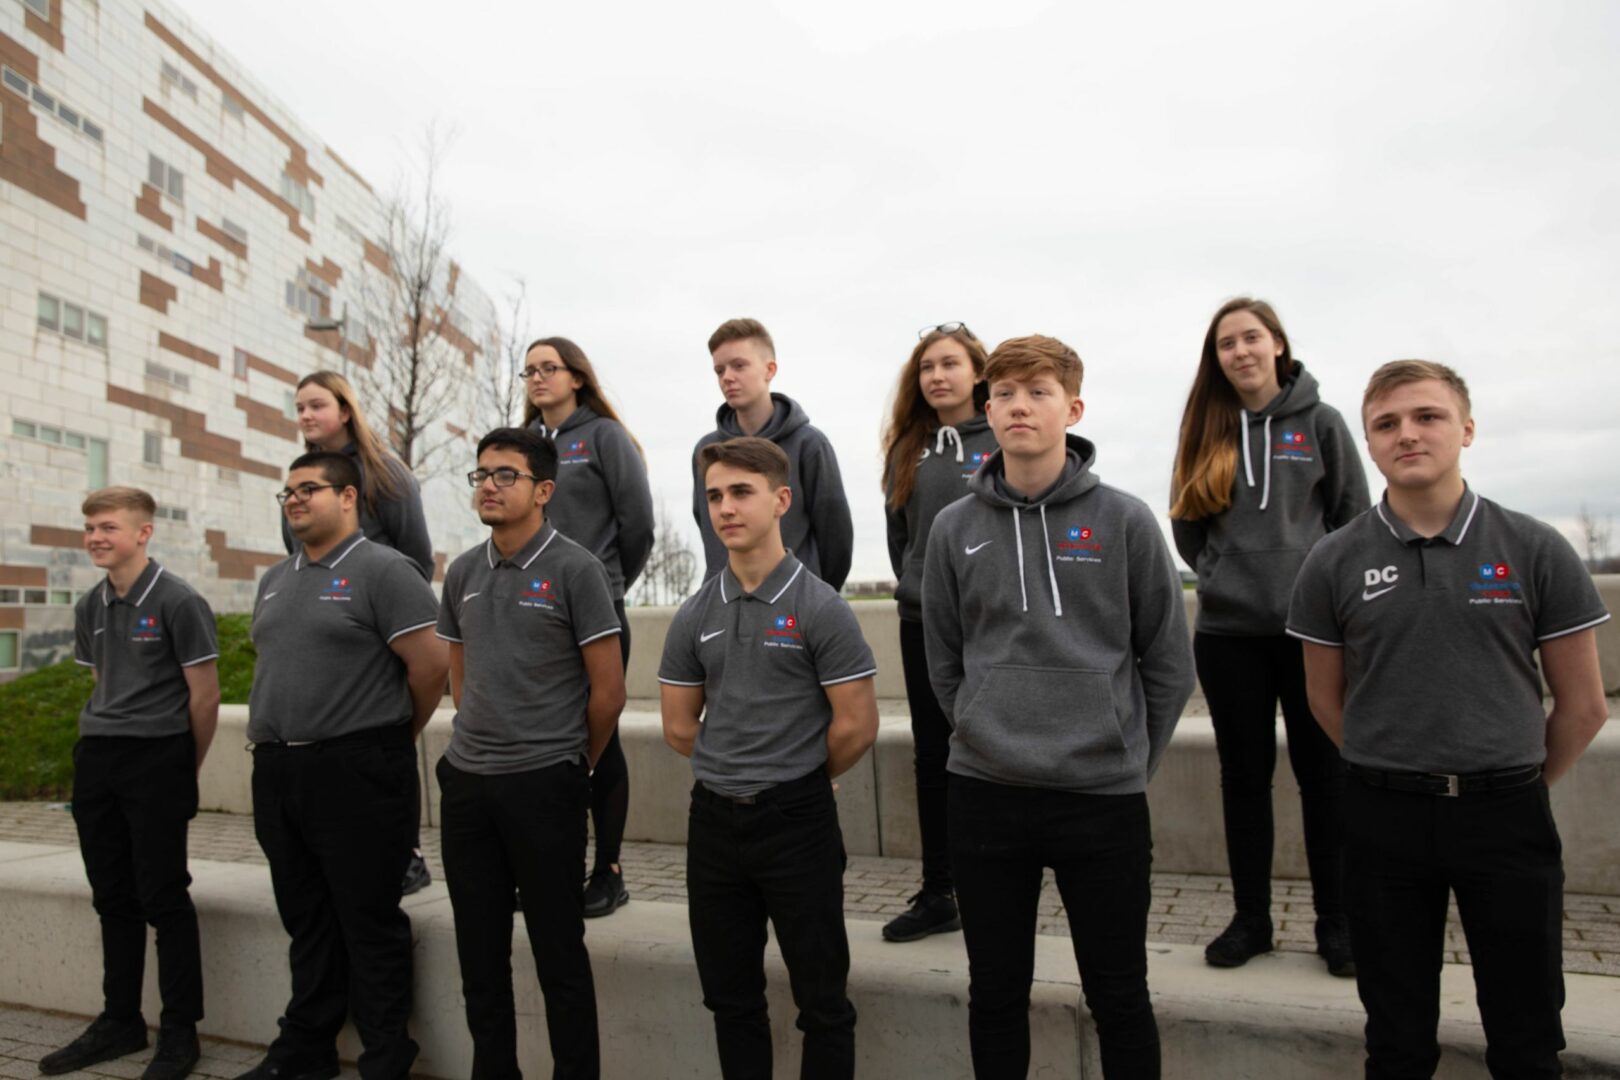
(500, 384)
(1596, 535)
(672, 569)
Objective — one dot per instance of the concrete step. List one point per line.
(1279, 1016)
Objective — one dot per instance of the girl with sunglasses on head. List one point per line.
(1264, 469)
(603, 502)
(936, 437)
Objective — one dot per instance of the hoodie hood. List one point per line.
(584, 414)
(787, 418)
(1297, 395)
(990, 484)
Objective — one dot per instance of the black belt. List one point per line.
(786, 789)
(1449, 784)
(386, 735)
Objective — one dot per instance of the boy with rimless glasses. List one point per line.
(538, 684)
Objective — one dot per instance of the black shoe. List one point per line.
(930, 913)
(103, 1040)
(1333, 945)
(605, 893)
(271, 1069)
(1243, 939)
(177, 1054)
(417, 876)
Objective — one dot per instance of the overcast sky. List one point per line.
(1439, 180)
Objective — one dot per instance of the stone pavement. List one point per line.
(1186, 908)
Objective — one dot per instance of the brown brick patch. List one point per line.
(27, 160)
(377, 257)
(271, 421)
(211, 276)
(50, 31)
(11, 618)
(51, 536)
(191, 428)
(440, 560)
(157, 293)
(264, 366)
(187, 349)
(237, 564)
(222, 238)
(149, 204)
(28, 577)
(327, 270)
(365, 356)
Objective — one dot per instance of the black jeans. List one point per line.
(132, 799)
(524, 830)
(1499, 852)
(335, 821)
(780, 858)
(1243, 679)
(931, 747)
(1101, 849)
(610, 780)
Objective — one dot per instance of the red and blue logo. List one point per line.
(146, 629)
(1495, 584)
(338, 588)
(1292, 444)
(1495, 571)
(538, 593)
(783, 630)
(973, 461)
(1079, 544)
(575, 451)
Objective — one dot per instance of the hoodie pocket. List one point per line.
(1248, 591)
(1045, 726)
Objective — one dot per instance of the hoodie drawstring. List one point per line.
(1018, 535)
(1248, 466)
(947, 433)
(1051, 572)
(1265, 492)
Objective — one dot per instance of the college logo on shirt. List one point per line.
(783, 633)
(575, 453)
(1495, 585)
(539, 594)
(1291, 446)
(338, 589)
(146, 629)
(971, 464)
(1079, 544)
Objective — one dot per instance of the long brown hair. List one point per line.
(589, 393)
(1206, 456)
(379, 462)
(912, 419)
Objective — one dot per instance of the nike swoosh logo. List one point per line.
(706, 637)
(268, 595)
(1365, 595)
(971, 550)
(470, 595)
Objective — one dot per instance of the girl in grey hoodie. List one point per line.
(1264, 470)
(936, 439)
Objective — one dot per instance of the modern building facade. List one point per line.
(168, 233)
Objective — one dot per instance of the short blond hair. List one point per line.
(120, 498)
(1398, 373)
(1024, 358)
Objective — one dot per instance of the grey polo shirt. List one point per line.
(521, 622)
(763, 660)
(1439, 634)
(138, 644)
(322, 629)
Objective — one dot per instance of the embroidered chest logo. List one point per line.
(1495, 584)
(575, 453)
(539, 593)
(1079, 544)
(1291, 446)
(971, 463)
(1376, 583)
(783, 633)
(146, 629)
(338, 588)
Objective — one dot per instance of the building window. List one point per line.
(309, 295)
(233, 230)
(166, 178)
(61, 596)
(173, 76)
(152, 448)
(48, 102)
(9, 640)
(232, 106)
(96, 465)
(289, 405)
(15, 81)
(10, 596)
(239, 362)
(297, 194)
(95, 450)
(95, 329)
(34, 596)
(50, 312)
(71, 320)
(229, 476)
(168, 375)
(42, 8)
(172, 513)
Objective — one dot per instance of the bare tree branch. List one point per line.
(500, 387)
(672, 570)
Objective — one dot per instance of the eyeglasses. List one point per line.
(301, 493)
(944, 328)
(503, 477)
(544, 371)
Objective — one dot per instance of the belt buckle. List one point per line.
(744, 800)
(1452, 788)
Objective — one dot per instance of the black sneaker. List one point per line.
(1243, 939)
(930, 913)
(103, 1040)
(272, 1069)
(605, 893)
(417, 876)
(177, 1054)
(1333, 945)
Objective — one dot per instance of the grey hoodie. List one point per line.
(603, 501)
(1300, 479)
(399, 522)
(1056, 637)
(942, 477)
(817, 527)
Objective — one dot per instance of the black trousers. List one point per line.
(782, 859)
(132, 799)
(526, 831)
(1499, 852)
(1243, 680)
(1101, 849)
(610, 780)
(931, 746)
(335, 821)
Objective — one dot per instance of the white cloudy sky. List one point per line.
(1438, 180)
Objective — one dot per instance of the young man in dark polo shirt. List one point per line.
(1057, 645)
(348, 672)
(150, 641)
(768, 688)
(538, 681)
(1421, 620)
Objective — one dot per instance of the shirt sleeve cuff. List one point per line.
(1314, 640)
